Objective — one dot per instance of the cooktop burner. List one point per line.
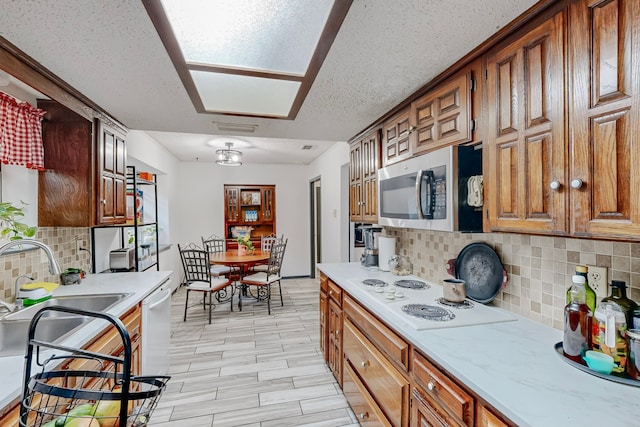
(375, 283)
(429, 312)
(464, 304)
(411, 284)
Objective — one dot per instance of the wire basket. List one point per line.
(54, 398)
(101, 392)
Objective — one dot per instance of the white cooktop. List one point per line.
(476, 315)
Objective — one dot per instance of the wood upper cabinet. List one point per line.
(604, 108)
(112, 156)
(395, 138)
(526, 132)
(363, 178)
(84, 183)
(443, 116)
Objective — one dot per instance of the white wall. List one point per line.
(146, 154)
(200, 205)
(334, 204)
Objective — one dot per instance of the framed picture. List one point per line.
(255, 198)
(246, 198)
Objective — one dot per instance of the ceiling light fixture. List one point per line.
(229, 157)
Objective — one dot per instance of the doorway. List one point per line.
(315, 216)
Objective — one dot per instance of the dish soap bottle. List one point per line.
(590, 294)
(577, 322)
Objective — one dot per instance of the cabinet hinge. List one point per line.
(487, 213)
(473, 84)
(473, 125)
(486, 74)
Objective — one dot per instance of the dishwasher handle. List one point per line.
(167, 295)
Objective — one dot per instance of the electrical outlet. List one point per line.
(78, 245)
(598, 280)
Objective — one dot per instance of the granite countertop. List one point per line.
(512, 365)
(137, 285)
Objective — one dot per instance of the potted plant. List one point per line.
(11, 226)
(245, 246)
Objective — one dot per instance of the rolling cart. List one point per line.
(108, 395)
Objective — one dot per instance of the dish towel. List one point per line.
(475, 191)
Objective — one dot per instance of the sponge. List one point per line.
(48, 286)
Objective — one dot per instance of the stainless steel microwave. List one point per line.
(429, 192)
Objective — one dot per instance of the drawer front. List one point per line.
(335, 292)
(442, 390)
(486, 418)
(388, 387)
(323, 283)
(384, 338)
(361, 402)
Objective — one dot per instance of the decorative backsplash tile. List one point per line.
(539, 267)
(62, 241)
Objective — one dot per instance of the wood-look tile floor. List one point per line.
(249, 368)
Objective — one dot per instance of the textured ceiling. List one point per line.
(385, 50)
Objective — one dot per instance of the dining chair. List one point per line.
(195, 262)
(264, 279)
(266, 242)
(214, 244)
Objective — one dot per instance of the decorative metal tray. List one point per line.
(617, 379)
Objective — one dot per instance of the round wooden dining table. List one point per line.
(241, 262)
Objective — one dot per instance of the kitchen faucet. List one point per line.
(54, 267)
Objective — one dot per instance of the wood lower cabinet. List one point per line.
(363, 178)
(362, 403)
(526, 132)
(84, 183)
(604, 119)
(334, 330)
(486, 418)
(324, 316)
(108, 342)
(388, 387)
(446, 401)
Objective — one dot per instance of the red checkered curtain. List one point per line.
(20, 133)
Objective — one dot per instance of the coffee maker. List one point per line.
(370, 256)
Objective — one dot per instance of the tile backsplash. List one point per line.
(539, 267)
(62, 241)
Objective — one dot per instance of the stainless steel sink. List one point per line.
(81, 302)
(53, 326)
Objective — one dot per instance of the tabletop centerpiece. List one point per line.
(245, 246)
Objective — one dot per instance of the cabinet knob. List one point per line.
(337, 331)
(431, 386)
(364, 415)
(103, 201)
(576, 183)
(365, 363)
(554, 185)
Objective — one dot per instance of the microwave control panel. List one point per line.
(440, 187)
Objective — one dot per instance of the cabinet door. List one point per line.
(370, 166)
(268, 203)
(605, 153)
(324, 314)
(526, 132)
(395, 138)
(232, 204)
(423, 414)
(355, 181)
(112, 155)
(335, 340)
(442, 117)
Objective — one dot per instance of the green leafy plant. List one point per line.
(245, 240)
(11, 226)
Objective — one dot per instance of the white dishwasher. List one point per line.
(156, 330)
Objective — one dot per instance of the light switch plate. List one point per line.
(598, 280)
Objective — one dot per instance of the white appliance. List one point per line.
(429, 294)
(156, 330)
(415, 193)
